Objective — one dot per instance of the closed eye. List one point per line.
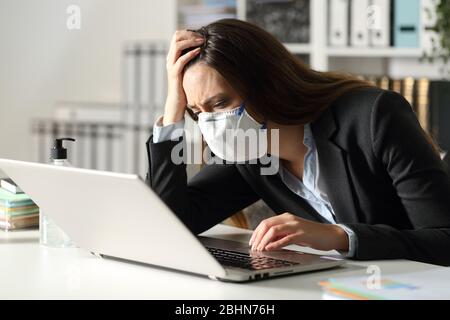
(221, 104)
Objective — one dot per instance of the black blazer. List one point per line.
(380, 173)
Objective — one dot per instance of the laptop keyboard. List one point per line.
(245, 261)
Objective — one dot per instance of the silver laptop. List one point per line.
(119, 216)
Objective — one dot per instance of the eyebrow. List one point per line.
(210, 100)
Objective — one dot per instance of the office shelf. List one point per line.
(374, 52)
(298, 48)
(320, 55)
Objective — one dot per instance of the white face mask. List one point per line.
(233, 135)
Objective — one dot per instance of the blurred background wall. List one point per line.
(42, 62)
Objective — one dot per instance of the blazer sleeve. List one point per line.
(422, 184)
(214, 194)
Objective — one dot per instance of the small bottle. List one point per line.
(50, 234)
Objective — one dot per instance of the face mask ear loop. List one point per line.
(241, 109)
(264, 124)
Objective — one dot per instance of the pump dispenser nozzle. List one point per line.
(50, 233)
(58, 151)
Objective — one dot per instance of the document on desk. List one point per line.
(423, 285)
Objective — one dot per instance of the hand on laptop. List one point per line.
(285, 229)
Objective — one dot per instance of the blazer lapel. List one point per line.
(278, 196)
(291, 202)
(334, 170)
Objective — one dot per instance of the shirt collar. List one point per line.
(308, 138)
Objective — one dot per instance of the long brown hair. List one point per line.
(274, 83)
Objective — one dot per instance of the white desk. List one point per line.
(31, 271)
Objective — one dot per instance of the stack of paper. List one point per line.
(17, 211)
(423, 285)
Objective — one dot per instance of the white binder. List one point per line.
(430, 38)
(339, 22)
(359, 31)
(379, 19)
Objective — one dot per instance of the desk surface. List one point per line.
(31, 271)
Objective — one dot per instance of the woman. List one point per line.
(356, 171)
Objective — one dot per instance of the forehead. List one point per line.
(201, 82)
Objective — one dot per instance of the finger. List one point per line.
(183, 60)
(261, 225)
(252, 237)
(177, 48)
(281, 243)
(266, 224)
(181, 35)
(274, 233)
(262, 229)
(184, 35)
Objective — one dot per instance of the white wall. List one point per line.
(41, 61)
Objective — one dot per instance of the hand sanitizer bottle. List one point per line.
(50, 234)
